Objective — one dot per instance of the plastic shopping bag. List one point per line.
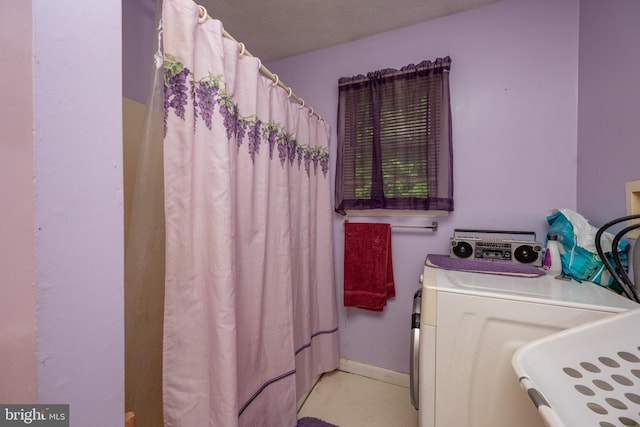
(579, 256)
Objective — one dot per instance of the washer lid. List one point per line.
(545, 289)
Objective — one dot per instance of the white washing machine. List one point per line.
(470, 324)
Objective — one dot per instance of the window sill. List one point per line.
(397, 212)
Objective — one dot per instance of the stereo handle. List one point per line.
(470, 230)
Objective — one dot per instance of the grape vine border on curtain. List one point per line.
(208, 92)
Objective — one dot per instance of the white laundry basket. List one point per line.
(585, 376)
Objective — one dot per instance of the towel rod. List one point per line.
(433, 226)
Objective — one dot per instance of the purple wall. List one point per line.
(609, 106)
(514, 89)
(77, 173)
(61, 249)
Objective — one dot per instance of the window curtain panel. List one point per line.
(250, 307)
(395, 140)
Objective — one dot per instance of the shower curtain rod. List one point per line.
(264, 70)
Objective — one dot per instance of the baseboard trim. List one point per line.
(380, 374)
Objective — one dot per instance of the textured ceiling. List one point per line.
(276, 29)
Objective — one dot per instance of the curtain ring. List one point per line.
(241, 45)
(259, 64)
(276, 81)
(301, 103)
(310, 111)
(202, 15)
(290, 92)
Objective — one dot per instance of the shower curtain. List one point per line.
(250, 311)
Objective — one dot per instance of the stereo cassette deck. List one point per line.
(496, 249)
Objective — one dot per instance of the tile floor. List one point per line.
(349, 400)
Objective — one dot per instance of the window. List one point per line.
(394, 140)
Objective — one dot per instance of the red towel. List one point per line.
(368, 269)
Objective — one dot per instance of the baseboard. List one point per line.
(380, 374)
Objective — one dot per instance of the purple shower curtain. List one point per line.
(250, 311)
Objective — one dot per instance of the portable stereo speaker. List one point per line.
(492, 249)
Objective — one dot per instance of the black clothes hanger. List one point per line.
(618, 273)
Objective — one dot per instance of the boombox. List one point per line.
(496, 249)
